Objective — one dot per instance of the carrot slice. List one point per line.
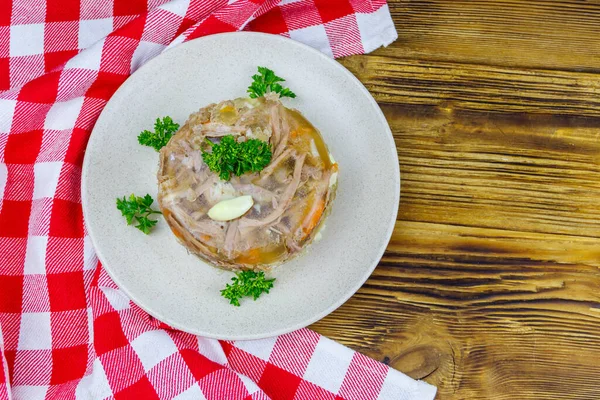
(313, 218)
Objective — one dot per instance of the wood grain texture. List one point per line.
(490, 286)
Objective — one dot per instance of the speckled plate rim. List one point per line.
(307, 321)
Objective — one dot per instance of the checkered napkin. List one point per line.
(66, 330)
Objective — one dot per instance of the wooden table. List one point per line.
(490, 286)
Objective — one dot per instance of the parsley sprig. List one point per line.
(138, 209)
(266, 81)
(247, 283)
(163, 130)
(231, 157)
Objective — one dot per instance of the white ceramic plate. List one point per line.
(180, 289)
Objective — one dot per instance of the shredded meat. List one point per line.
(291, 195)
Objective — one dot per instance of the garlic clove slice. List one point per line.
(227, 210)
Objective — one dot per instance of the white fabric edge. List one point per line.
(426, 391)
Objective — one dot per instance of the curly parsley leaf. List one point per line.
(163, 130)
(137, 209)
(266, 81)
(246, 283)
(231, 157)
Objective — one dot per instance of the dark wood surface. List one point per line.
(490, 286)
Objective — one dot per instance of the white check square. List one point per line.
(261, 348)
(88, 59)
(7, 108)
(116, 298)
(314, 36)
(212, 350)
(3, 179)
(397, 385)
(152, 347)
(35, 332)
(35, 257)
(94, 385)
(144, 52)
(90, 261)
(90, 321)
(46, 179)
(178, 7)
(29, 392)
(92, 30)
(328, 365)
(376, 28)
(26, 40)
(63, 115)
(193, 393)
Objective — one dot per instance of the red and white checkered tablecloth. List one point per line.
(66, 330)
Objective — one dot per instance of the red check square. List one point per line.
(210, 26)
(331, 10)
(271, 22)
(199, 365)
(67, 219)
(66, 291)
(133, 29)
(4, 73)
(105, 85)
(129, 7)
(23, 148)
(5, 12)
(14, 218)
(69, 363)
(42, 89)
(279, 383)
(142, 389)
(10, 356)
(57, 58)
(11, 295)
(62, 10)
(112, 336)
(77, 145)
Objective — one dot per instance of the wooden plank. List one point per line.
(547, 34)
(394, 79)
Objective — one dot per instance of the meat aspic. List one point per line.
(291, 195)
